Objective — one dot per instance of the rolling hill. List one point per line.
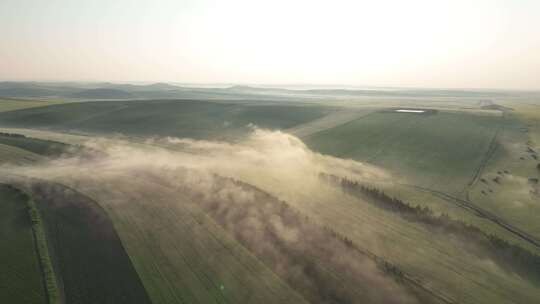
(102, 94)
(192, 118)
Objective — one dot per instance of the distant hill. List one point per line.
(33, 89)
(250, 89)
(26, 92)
(26, 89)
(102, 94)
(158, 86)
(108, 90)
(161, 86)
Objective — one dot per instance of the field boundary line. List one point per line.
(492, 148)
(487, 156)
(470, 206)
(41, 247)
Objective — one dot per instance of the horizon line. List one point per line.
(275, 85)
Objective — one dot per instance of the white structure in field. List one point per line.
(410, 111)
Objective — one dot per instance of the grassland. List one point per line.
(20, 277)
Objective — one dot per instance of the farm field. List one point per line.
(508, 184)
(183, 250)
(13, 155)
(438, 151)
(193, 119)
(21, 280)
(437, 258)
(78, 230)
(148, 235)
(527, 112)
(332, 119)
(7, 105)
(164, 241)
(180, 254)
(41, 147)
(455, 154)
(441, 262)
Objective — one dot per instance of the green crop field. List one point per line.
(167, 236)
(166, 244)
(180, 254)
(451, 267)
(41, 147)
(7, 105)
(78, 230)
(508, 185)
(440, 151)
(21, 279)
(194, 119)
(437, 258)
(449, 154)
(74, 229)
(14, 155)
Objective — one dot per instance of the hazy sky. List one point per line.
(425, 43)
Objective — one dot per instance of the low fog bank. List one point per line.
(264, 157)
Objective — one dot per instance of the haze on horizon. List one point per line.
(422, 43)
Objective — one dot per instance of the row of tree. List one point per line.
(12, 135)
(507, 254)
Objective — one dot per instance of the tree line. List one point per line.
(507, 254)
(14, 135)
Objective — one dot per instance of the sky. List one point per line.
(413, 43)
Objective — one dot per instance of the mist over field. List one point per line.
(263, 154)
(168, 167)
